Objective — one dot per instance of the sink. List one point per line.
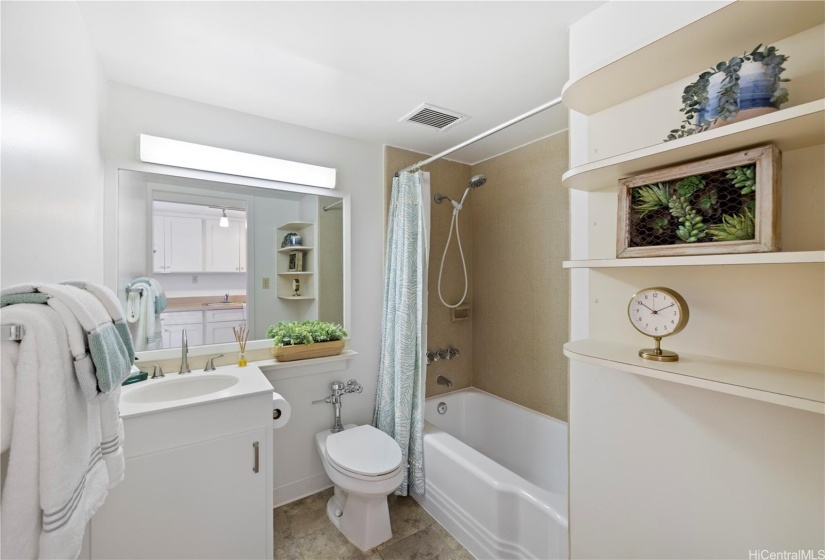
(178, 389)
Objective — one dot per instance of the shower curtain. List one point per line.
(399, 400)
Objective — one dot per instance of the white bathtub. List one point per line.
(496, 476)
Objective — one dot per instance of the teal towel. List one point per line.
(13, 299)
(112, 360)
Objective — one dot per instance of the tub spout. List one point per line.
(441, 380)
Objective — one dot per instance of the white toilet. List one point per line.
(364, 463)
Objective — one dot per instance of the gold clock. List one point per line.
(658, 312)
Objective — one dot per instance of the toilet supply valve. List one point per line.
(338, 388)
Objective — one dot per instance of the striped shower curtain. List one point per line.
(399, 400)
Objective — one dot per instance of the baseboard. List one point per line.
(300, 489)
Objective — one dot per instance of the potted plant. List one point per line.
(293, 340)
(745, 86)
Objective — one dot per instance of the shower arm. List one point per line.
(483, 135)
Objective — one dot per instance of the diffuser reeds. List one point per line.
(241, 334)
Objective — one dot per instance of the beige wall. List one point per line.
(330, 261)
(520, 234)
(450, 179)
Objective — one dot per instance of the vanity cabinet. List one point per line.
(177, 244)
(173, 323)
(225, 247)
(219, 325)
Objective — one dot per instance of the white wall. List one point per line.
(52, 170)
(132, 111)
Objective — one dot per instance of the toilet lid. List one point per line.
(364, 450)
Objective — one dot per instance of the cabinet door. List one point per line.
(184, 244)
(158, 244)
(223, 246)
(216, 333)
(199, 501)
(172, 335)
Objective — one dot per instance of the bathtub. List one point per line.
(496, 476)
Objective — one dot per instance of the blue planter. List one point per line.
(755, 92)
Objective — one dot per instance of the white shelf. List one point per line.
(294, 273)
(786, 387)
(294, 226)
(791, 257)
(294, 248)
(295, 298)
(735, 28)
(790, 129)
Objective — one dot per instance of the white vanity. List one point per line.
(198, 469)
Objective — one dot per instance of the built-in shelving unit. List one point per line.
(790, 129)
(734, 28)
(791, 257)
(786, 387)
(305, 277)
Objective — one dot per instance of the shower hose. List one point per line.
(453, 225)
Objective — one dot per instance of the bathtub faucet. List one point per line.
(339, 389)
(441, 380)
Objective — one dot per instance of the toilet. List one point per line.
(364, 464)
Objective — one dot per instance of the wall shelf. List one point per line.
(790, 129)
(796, 389)
(295, 273)
(295, 298)
(294, 248)
(295, 226)
(790, 257)
(733, 29)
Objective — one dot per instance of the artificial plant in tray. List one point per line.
(721, 205)
(293, 340)
(744, 86)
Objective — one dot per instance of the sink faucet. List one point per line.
(184, 353)
(226, 298)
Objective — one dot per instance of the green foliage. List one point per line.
(695, 95)
(689, 185)
(691, 227)
(289, 333)
(743, 178)
(708, 201)
(650, 198)
(660, 224)
(734, 227)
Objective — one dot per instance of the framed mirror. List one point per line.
(225, 255)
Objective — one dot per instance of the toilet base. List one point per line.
(363, 520)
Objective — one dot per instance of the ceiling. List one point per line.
(351, 68)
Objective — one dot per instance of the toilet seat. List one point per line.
(364, 452)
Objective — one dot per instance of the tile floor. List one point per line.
(303, 532)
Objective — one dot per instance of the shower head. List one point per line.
(477, 181)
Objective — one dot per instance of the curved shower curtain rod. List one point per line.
(483, 135)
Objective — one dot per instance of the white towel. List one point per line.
(133, 306)
(57, 475)
(148, 334)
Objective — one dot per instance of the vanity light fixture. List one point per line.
(224, 220)
(164, 151)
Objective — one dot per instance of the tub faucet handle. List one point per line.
(430, 357)
(442, 354)
(452, 352)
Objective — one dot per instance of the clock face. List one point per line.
(658, 312)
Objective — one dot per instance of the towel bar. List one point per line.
(13, 332)
(130, 289)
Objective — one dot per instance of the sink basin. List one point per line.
(178, 389)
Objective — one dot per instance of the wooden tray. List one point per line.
(307, 351)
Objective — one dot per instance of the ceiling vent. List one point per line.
(435, 117)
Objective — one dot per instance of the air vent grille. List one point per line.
(435, 117)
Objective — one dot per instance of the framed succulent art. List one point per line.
(726, 204)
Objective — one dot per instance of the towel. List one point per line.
(84, 367)
(110, 302)
(148, 334)
(12, 299)
(160, 296)
(133, 306)
(57, 473)
(109, 345)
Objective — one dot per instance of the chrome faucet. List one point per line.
(226, 298)
(184, 354)
(441, 380)
(338, 389)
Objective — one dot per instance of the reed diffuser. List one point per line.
(241, 334)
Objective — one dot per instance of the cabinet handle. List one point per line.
(256, 448)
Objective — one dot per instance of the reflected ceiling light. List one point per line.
(224, 220)
(164, 151)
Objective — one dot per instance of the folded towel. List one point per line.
(12, 299)
(109, 301)
(112, 356)
(133, 307)
(84, 367)
(148, 334)
(56, 476)
(159, 295)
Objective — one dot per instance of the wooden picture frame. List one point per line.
(767, 161)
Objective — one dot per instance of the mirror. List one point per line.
(226, 255)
